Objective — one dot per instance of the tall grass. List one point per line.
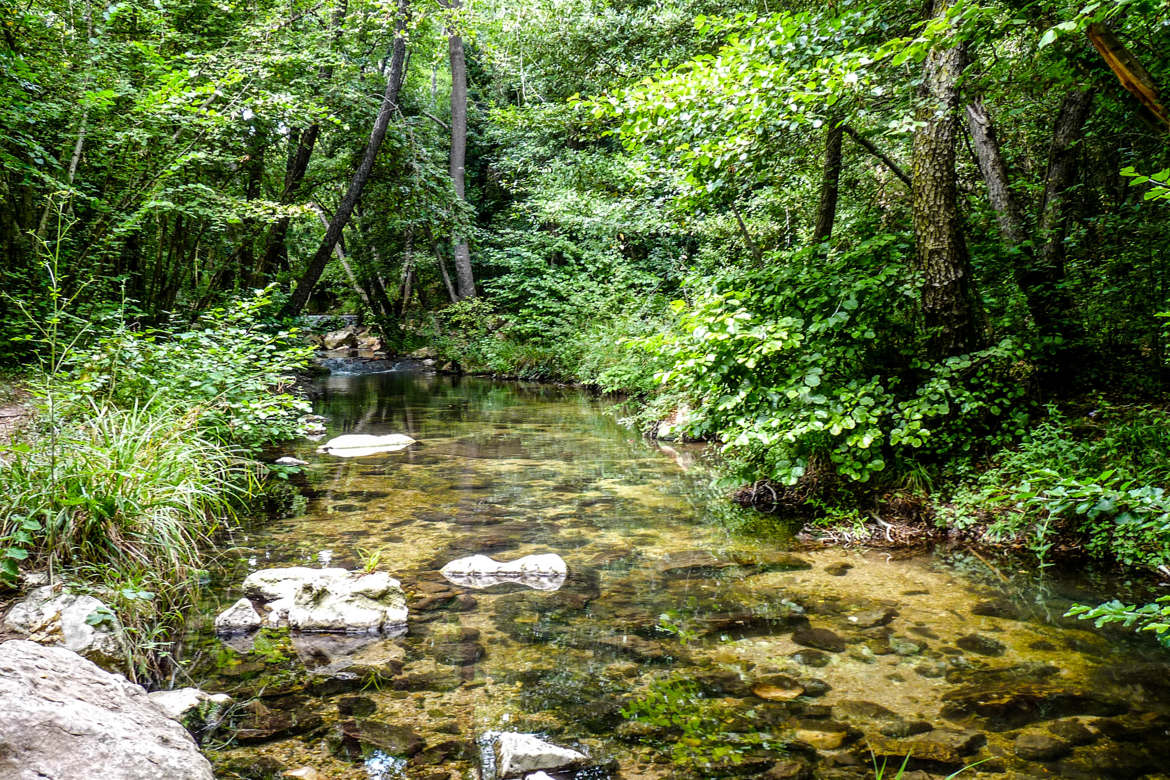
(138, 488)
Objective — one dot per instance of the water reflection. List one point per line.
(668, 631)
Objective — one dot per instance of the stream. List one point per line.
(676, 647)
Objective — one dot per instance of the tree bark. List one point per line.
(320, 259)
(941, 250)
(830, 181)
(275, 248)
(1038, 272)
(465, 279)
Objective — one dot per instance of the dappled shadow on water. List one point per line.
(674, 648)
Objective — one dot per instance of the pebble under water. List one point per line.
(675, 649)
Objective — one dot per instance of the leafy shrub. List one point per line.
(811, 360)
(1102, 479)
(233, 369)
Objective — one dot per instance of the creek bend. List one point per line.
(726, 647)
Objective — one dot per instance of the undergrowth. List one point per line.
(140, 456)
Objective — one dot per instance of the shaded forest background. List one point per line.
(904, 258)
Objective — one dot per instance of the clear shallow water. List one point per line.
(675, 649)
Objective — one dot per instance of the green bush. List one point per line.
(1101, 479)
(233, 369)
(811, 360)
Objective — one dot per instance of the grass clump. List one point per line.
(141, 454)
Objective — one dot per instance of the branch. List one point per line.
(868, 146)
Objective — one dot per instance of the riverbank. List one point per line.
(140, 461)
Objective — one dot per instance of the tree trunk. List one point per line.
(830, 178)
(320, 259)
(941, 250)
(302, 143)
(1039, 273)
(1047, 273)
(438, 250)
(465, 279)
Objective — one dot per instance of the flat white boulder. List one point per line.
(50, 615)
(540, 572)
(334, 600)
(289, 460)
(66, 719)
(519, 754)
(356, 445)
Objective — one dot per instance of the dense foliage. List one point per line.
(871, 247)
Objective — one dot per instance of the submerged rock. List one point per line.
(1016, 705)
(307, 599)
(539, 572)
(64, 718)
(819, 638)
(517, 754)
(1038, 745)
(983, 645)
(356, 445)
(80, 623)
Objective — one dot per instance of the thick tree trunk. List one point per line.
(320, 259)
(830, 178)
(465, 279)
(941, 250)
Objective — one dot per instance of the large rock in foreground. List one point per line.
(307, 599)
(66, 719)
(83, 624)
(540, 572)
(518, 754)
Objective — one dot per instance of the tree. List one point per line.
(394, 80)
(465, 279)
(940, 246)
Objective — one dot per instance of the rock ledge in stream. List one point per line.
(52, 616)
(518, 754)
(357, 445)
(66, 719)
(539, 572)
(304, 599)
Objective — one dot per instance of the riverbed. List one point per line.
(678, 646)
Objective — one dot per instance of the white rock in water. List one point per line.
(356, 445)
(183, 702)
(325, 600)
(540, 572)
(539, 776)
(517, 754)
(51, 616)
(289, 460)
(66, 719)
(237, 618)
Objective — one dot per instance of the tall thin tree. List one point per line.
(308, 280)
(464, 278)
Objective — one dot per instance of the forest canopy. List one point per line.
(871, 248)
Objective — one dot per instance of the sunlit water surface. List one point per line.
(676, 648)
